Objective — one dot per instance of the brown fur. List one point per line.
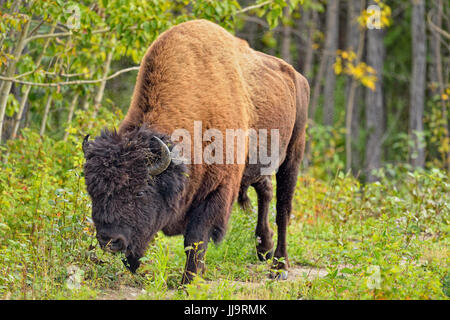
(198, 71)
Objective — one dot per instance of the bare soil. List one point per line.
(295, 273)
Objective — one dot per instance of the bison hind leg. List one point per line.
(263, 232)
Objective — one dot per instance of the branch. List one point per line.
(436, 28)
(255, 6)
(40, 23)
(68, 83)
(64, 75)
(264, 24)
(70, 33)
(60, 34)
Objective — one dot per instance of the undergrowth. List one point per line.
(382, 240)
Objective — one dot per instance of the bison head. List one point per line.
(134, 187)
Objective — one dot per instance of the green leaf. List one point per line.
(347, 271)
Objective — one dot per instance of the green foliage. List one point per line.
(221, 12)
(436, 131)
(347, 240)
(397, 227)
(384, 240)
(327, 147)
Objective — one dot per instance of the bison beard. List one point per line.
(196, 71)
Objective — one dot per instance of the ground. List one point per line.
(346, 240)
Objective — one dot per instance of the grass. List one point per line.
(385, 240)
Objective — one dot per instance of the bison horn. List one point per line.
(85, 144)
(162, 165)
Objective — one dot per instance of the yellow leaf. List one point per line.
(370, 70)
(358, 72)
(338, 67)
(351, 56)
(369, 82)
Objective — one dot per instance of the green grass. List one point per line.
(385, 240)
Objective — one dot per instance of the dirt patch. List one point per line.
(295, 273)
(310, 273)
(123, 293)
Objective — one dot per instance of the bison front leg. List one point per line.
(207, 220)
(195, 255)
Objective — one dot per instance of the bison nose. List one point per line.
(114, 244)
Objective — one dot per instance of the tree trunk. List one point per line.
(435, 70)
(10, 71)
(326, 65)
(417, 93)
(355, 43)
(101, 90)
(374, 103)
(73, 104)
(332, 31)
(46, 112)
(286, 37)
(27, 88)
(306, 53)
(85, 101)
(19, 115)
(317, 87)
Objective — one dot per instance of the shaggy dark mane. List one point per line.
(117, 164)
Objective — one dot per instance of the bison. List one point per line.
(196, 72)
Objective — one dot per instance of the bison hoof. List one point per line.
(279, 274)
(264, 256)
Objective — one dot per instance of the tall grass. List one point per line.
(384, 240)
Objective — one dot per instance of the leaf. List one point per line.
(12, 105)
(347, 271)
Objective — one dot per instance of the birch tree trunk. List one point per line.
(435, 70)
(71, 112)
(332, 31)
(10, 71)
(374, 103)
(417, 90)
(307, 25)
(46, 112)
(326, 64)
(313, 23)
(27, 89)
(355, 43)
(101, 90)
(286, 37)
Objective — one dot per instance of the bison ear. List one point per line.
(85, 145)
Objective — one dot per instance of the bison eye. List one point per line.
(140, 194)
